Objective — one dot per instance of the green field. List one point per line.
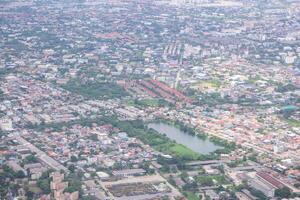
(293, 122)
(183, 151)
(148, 103)
(96, 90)
(158, 141)
(206, 181)
(214, 83)
(191, 196)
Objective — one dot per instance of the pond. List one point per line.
(202, 146)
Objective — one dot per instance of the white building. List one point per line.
(6, 124)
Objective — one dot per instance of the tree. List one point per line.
(172, 181)
(258, 194)
(89, 197)
(165, 168)
(20, 174)
(1, 95)
(31, 159)
(283, 192)
(297, 185)
(184, 175)
(118, 166)
(71, 168)
(221, 168)
(74, 159)
(190, 186)
(94, 137)
(44, 184)
(74, 185)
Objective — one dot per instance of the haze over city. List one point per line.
(149, 99)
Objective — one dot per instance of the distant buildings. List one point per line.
(6, 124)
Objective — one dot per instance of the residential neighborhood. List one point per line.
(149, 100)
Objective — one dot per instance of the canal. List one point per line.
(202, 146)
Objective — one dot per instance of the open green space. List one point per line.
(96, 90)
(191, 196)
(182, 151)
(148, 103)
(158, 141)
(293, 122)
(212, 180)
(214, 82)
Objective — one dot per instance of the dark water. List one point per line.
(203, 146)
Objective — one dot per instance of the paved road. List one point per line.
(42, 155)
(207, 162)
(247, 168)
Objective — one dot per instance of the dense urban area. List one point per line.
(149, 99)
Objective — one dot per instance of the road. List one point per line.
(207, 162)
(42, 155)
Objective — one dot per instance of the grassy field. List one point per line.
(211, 180)
(130, 103)
(215, 83)
(174, 149)
(183, 151)
(191, 196)
(96, 90)
(35, 190)
(148, 102)
(293, 122)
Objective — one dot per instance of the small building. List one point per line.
(102, 175)
(129, 172)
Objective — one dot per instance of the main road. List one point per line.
(41, 155)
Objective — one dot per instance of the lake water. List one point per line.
(203, 146)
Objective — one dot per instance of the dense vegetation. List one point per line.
(59, 126)
(227, 146)
(258, 194)
(96, 90)
(212, 180)
(74, 182)
(293, 122)
(5, 71)
(212, 99)
(7, 177)
(158, 141)
(1, 95)
(150, 103)
(286, 88)
(283, 193)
